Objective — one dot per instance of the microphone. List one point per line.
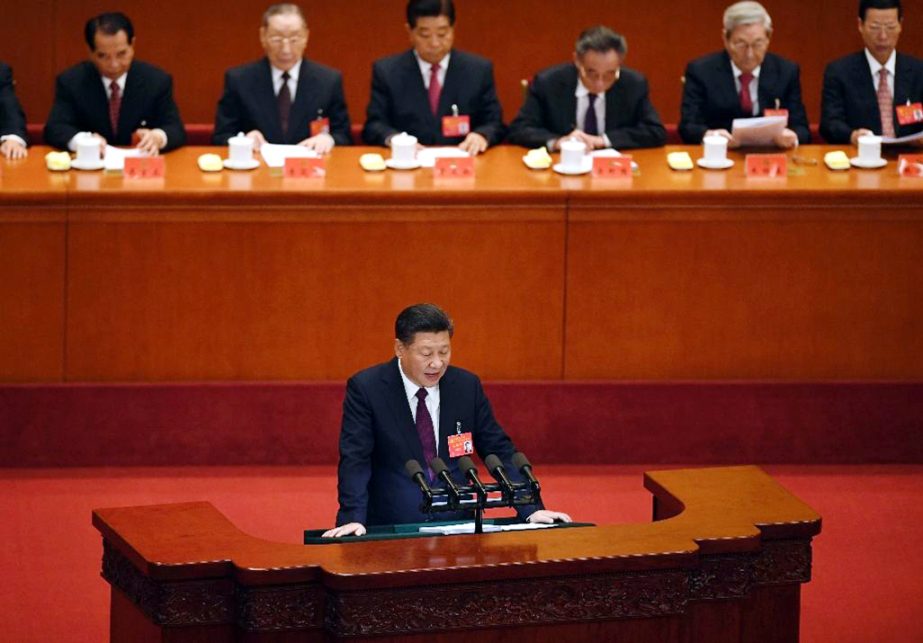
(496, 470)
(521, 462)
(442, 472)
(415, 472)
(466, 464)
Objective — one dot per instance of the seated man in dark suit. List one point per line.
(114, 96)
(284, 97)
(593, 99)
(406, 409)
(742, 81)
(418, 91)
(864, 91)
(12, 119)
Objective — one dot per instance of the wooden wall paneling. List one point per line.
(815, 297)
(261, 299)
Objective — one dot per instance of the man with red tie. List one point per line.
(875, 91)
(113, 96)
(408, 408)
(742, 81)
(441, 95)
(594, 98)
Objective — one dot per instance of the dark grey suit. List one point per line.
(711, 100)
(399, 101)
(249, 103)
(850, 97)
(80, 105)
(378, 436)
(12, 119)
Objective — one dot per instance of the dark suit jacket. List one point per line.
(850, 99)
(12, 119)
(551, 106)
(378, 436)
(249, 103)
(400, 103)
(711, 100)
(80, 105)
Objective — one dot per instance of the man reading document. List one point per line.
(406, 409)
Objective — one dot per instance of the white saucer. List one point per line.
(79, 165)
(406, 165)
(874, 165)
(586, 168)
(252, 164)
(722, 165)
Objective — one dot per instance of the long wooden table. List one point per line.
(722, 562)
(249, 275)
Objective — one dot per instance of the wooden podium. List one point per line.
(723, 561)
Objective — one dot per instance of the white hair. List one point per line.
(746, 13)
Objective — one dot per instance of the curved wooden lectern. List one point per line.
(722, 562)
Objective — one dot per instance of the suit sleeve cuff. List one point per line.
(13, 137)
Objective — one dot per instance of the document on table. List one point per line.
(274, 155)
(468, 528)
(891, 140)
(114, 158)
(428, 155)
(761, 130)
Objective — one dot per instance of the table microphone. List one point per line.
(415, 471)
(495, 466)
(442, 472)
(466, 464)
(521, 462)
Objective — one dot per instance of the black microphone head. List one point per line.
(413, 468)
(466, 464)
(492, 462)
(437, 465)
(520, 460)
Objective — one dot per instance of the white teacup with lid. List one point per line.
(89, 149)
(240, 150)
(715, 149)
(573, 152)
(403, 149)
(869, 149)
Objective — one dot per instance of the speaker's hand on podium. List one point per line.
(547, 517)
(350, 529)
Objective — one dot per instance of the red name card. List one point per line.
(304, 168)
(454, 167)
(775, 112)
(910, 165)
(456, 125)
(144, 167)
(320, 126)
(612, 167)
(766, 165)
(910, 114)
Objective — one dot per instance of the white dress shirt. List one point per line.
(754, 86)
(292, 80)
(427, 69)
(875, 66)
(432, 401)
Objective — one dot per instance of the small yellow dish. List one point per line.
(537, 159)
(210, 163)
(679, 161)
(372, 162)
(58, 161)
(836, 161)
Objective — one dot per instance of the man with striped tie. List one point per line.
(877, 90)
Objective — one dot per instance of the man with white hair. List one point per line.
(742, 81)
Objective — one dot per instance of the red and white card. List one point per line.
(304, 168)
(144, 167)
(447, 167)
(766, 166)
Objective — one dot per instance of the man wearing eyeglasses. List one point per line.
(594, 99)
(875, 91)
(284, 97)
(742, 81)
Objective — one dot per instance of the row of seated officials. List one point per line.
(445, 96)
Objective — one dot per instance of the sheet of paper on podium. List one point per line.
(468, 528)
(900, 140)
(761, 130)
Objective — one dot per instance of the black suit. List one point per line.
(80, 105)
(12, 119)
(850, 97)
(400, 102)
(378, 436)
(711, 99)
(249, 103)
(551, 107)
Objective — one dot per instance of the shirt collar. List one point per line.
(425, 66)
(120, 81)
(737, 72)
(411, 389)
(875, 66)
(582, 90)
(292, 73)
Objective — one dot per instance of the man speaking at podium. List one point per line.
(406, 409)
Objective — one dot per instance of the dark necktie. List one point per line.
(285, 103)
(115, 104)
(425, 430)
(590, 126)
(434, 90)
(746, 102)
